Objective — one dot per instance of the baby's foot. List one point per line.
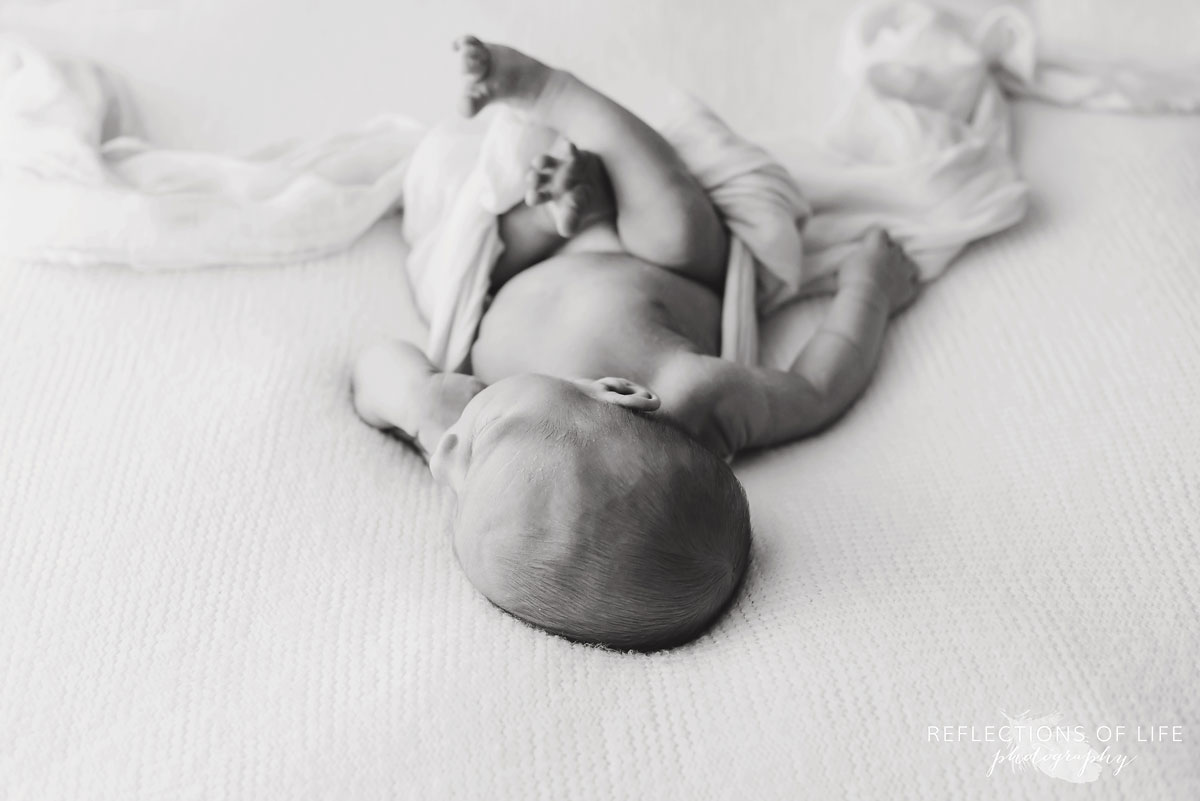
(496, 72)
(883, 264)
(575, 189)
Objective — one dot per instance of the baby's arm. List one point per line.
(730, 407)
(397, 389)
(837, 363)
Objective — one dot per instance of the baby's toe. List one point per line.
(476, 58)
(539, 179)
(535, 196)
(876, 239)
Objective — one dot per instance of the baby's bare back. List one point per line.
(593, 315)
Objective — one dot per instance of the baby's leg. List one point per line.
(663, 215)
(397, 390)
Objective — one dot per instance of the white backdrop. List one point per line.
(237, 74)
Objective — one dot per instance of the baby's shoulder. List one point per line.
(709, 398)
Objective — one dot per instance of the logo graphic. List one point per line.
(1061, 752)
(1064, 752)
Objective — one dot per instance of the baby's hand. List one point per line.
(882, 264)
(388, 381)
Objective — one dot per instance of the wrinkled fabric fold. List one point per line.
(77, 187)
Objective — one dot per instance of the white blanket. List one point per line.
(921, 147)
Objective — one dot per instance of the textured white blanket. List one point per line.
(215, 582)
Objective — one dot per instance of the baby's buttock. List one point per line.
(590, 315)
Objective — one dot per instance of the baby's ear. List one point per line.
(623, 392)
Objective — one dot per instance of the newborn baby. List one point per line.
(602, 508)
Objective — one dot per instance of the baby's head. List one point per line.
(580, 513)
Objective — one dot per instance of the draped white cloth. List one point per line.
(76, 188)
